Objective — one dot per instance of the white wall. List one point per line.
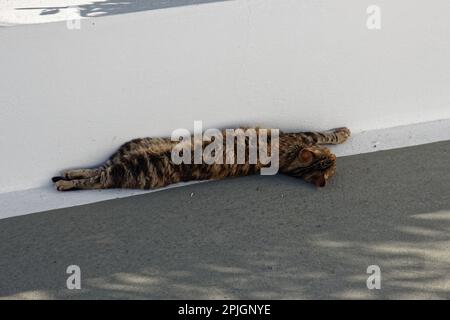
(68, 98)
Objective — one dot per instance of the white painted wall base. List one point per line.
(46, 198)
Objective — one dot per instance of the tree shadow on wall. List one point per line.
(112, 7)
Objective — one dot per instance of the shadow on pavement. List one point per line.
(254, 237)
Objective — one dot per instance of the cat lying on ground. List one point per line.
(147, 163)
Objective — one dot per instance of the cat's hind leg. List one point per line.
(115, 176)
(78, 174)
(82, 173)
(76, 184)
(333, 136)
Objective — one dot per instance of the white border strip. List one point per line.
(46, 198)
(395, 137)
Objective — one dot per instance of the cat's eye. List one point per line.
(306, 155)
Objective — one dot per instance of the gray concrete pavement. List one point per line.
(254, 237)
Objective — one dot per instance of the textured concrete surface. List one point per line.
(254, 237)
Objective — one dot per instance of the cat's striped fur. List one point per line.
(146, 163)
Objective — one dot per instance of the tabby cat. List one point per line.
(147, 163)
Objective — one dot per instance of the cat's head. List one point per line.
(314, 164)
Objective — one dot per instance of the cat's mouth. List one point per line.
(321, 172)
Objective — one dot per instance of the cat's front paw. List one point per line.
(343, 131)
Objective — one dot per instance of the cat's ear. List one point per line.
(320, 181)
(306, 155)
